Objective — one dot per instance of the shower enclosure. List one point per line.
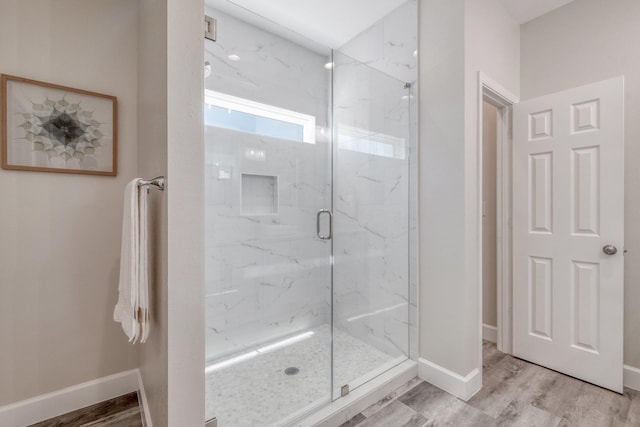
(310, 213)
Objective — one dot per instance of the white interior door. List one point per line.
(568, 205)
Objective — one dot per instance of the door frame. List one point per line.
(496, 94)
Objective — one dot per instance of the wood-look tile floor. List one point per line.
(514, 393)
(123, 411)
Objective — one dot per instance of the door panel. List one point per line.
(568, 198)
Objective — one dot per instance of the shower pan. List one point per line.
(310, 213)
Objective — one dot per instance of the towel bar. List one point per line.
(158, 183)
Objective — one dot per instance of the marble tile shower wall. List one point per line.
(390, 46)
(371, 206)
(267, 276)
(267, 68)
(375, 278)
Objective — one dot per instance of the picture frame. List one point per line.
(46, 127)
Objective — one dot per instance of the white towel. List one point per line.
(132, 308)
(143, 293)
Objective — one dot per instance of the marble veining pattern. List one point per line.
(256, 391)
(389, 46)
(371, 206)
(267, 276)
(267, 68)
(376, 184)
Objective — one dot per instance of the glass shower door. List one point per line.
(300, 309)
(268, 275)
(371, 178)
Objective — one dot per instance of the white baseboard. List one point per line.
(489, 333)
(461, 387)
(144, 406)
(69, 399)
(631, 377)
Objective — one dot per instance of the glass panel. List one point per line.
(268, 298)
(371, 216)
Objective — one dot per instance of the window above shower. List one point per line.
(243, 115)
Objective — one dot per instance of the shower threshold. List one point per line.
(253, 387)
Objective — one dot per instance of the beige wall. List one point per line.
(492, 47)
(457, 39)
(585, 42)
(489, 255)
(443, 331)
(60, 233)
(171, 143)
(492, 40)
(152, 161)
(185, 212)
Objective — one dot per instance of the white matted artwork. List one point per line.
(52, 128)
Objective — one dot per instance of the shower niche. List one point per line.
(259, 194)
(310, 212)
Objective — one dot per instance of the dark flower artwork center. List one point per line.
(63, 127)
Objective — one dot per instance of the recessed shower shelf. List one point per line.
(259, 194)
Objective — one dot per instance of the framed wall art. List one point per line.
(52, 128)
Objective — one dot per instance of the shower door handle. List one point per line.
(324, 236)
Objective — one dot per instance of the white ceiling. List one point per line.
(320, 24)
(526, 10)
(330, 23)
